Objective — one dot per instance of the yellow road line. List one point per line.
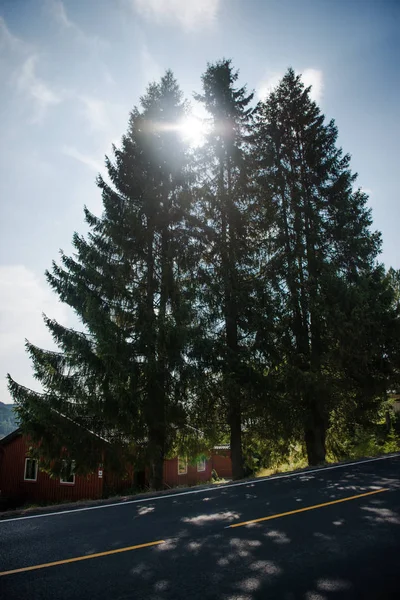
(158, 542)
(78, 558)
(299, 510)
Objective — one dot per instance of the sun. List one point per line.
(193, 130)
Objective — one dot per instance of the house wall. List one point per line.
(193, 476)
(222, 463)
(45, 488)
(103, 483)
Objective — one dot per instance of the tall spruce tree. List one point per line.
(322, 267)
(123, 376)
(227, 256)
(393, 279)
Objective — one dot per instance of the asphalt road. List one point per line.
(341, 539)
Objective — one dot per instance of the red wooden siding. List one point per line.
(193, 476)
(13, 452)
(222, 463)
(45, 488)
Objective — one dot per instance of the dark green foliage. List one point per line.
(227, 258)
(334, 317)
(123, 377)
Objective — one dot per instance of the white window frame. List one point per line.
(36, 469)
(186, 465)
(62, 482)
(203, 463)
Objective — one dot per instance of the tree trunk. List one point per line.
(155, 400)
(157, 430)
(156, 456)
(234, 391)
(388, 422)
(156, 479)
(315, 436)
(139, 479)
(231, 324)
(236, 443)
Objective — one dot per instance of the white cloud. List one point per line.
(59, 13)
(95, 112)
(313, 77)
(106, 120)
(108, 78)
(9, 41)
(87, 160)
(18, 67)
(13, 51)
(367, 191)
(37, 89)
(189, 14)
(23, 299)
(151, 69)
(269, 84)
(364, 190)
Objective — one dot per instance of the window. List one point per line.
(68, 475)
(31, 468)
(182, 466)
(201, 465)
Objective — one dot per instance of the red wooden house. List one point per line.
(21, 480)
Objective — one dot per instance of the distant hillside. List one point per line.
(7, 419)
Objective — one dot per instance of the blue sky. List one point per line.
(71, 71)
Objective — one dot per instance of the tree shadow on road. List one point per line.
(326, 554)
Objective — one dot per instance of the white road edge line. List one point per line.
(204, 490)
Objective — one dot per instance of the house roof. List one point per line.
(14, 434)
(103, 439)
(10, 437)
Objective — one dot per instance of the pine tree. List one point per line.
(323, 263)
(393, 280)
(227, 257)
(123, 376)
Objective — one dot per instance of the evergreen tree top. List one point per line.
(220, 96)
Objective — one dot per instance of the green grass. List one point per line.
(366, 443)
(284, 467)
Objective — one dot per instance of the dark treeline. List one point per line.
(232, 289)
